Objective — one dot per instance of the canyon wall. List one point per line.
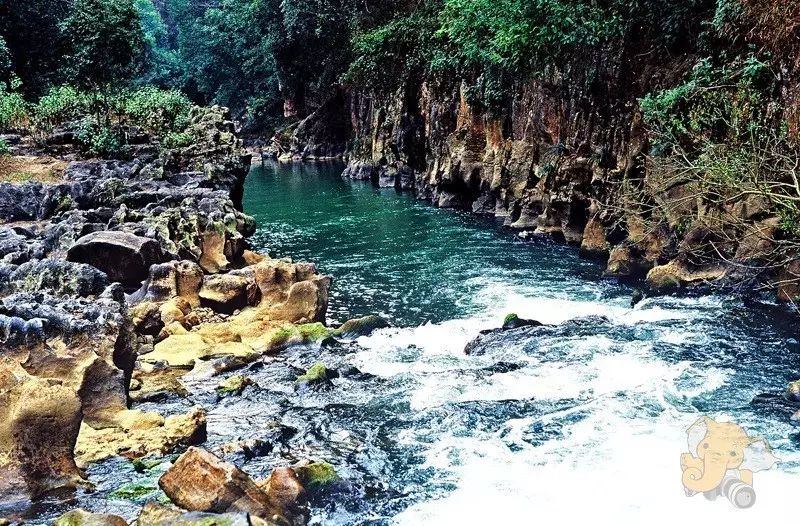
(567, 157)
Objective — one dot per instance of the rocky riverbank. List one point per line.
(117, 278)
(568, 159)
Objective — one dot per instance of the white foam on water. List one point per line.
(629, 476)
(614, 455)
(614, 465)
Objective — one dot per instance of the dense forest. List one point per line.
(274, 59)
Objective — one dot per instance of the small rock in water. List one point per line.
(286, 492)
(313, 475)
(81, 517)
(503, 367)
(361, 326)
(637, 297)
(793, 391)
(233, 385)
(512, 321)
(317, 376)
(249, 449)
(154, 514)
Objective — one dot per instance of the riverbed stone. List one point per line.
(124, 257)
(677, 274)
(81, 517)
(200, 481)
(361, 326)
(140, 438)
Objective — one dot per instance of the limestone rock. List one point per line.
(361, 326)
(314, 475)
(81, 517)
(124, 257)
(677, 274)
(233, 385)
(227, 292)
(200, 481)
(63, 360)
(141, 437)
(37, 438)
(58, 277)
(287, 494)
(594, 244)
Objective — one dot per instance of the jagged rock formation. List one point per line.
(165, 228)
(556, 162)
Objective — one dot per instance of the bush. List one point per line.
(13, 108)
(716, 103)
(4, 149)
(157, 111)
(61, 104)
(177, 140)
(102, 141)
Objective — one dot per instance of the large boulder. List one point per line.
(200, 481)
(58, 277)
(124, 257)
(64, 362)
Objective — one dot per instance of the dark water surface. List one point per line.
(581, 421)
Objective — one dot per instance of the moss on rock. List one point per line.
(316, 474)
(233, 385)
(316, 373)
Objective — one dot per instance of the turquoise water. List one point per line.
(393, 255)
(584, 420)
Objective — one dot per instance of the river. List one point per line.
(579, 423)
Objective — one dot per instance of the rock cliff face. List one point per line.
(565, 159)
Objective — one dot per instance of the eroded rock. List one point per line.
(200, 481)
(123, 257)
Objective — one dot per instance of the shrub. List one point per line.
(4, 149)
(13, 108)
(177, 140)
(102, 141)
(715, 103)
(157, 111)
(61, 104)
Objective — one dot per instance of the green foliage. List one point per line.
(714, 104)
(33, 38)
(61, 104)
(403, 47)
(5, 61)
(106, 43)
(157, 111)
(177, 140)
(13, 108)
(519, 35)
(100, 140)
(727, 13)
(4, 148)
